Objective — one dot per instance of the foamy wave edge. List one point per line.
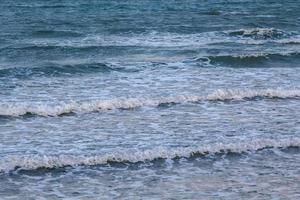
(32, 162)
(15, 109)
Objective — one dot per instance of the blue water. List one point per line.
(150, 99)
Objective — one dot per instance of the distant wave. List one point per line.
(56, 69)
(42, 109)
(255, 36)
(43, 5)
(56, 33)
(259, 33)
(262, 35)
(251, 60)
(72, 68)
(295, 40)
(31, 162)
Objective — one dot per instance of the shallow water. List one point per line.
(150, 99)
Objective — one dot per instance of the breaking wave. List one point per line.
(19, 109)
(262, 35)
(31, 162)
(259, 33)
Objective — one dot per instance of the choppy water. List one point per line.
(150, 99)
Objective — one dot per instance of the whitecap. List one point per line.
(48, 109)
(31, 162)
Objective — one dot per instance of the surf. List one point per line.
(33, 162)
(47, 109)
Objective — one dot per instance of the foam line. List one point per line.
(45, 109)
(31, 162)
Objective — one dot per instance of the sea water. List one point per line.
(150, 99)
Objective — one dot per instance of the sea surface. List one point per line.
(149, 99)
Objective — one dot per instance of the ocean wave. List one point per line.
(150, 39)
(55, 33)
(32, 162)
(295, 40)
(42, 109)
(155, 39)
(259, 33)
(251, 60)
(43, 5)
(144, 62)
(221, 95)
(261, 36)
(58, 69)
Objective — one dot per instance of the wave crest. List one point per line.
(156, 39)
(222, 95)
(56, 69)
(252, 60)
(258, 33)
(31, 162)
(19, 109)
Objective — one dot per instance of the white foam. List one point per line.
(242, 94)
(258, 31)
(292, 40)
(264, 35)
(89, 106)
(19, 109)
(31, 162)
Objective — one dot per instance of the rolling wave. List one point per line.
(257, 36)
(259, 33)
(294, 40)
(288, 59)
(31, 162)
(19, 109)
(55, 33)
(58, 70)
(254, 60)
(43, 5)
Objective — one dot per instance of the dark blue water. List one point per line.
(150, 99)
